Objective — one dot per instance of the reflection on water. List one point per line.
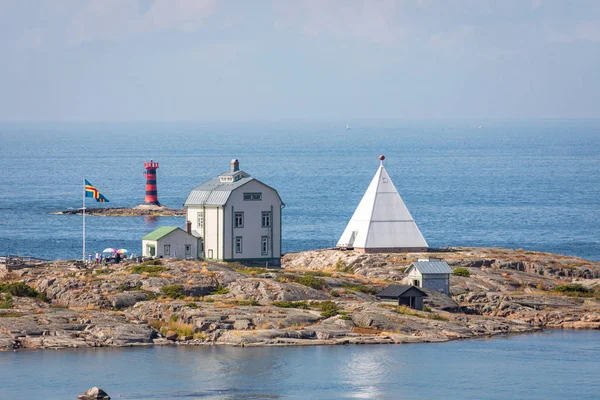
(528, 366)
(151, 220)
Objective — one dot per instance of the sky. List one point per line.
(228, 60)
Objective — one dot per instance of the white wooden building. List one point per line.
(169, 242)
(430, 273)
(237, 218)
(381, 222)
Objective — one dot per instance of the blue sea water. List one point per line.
(549, 365)
(532, 184)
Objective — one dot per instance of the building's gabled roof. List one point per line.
(430, 267)
(216, 191)
(381, 219)
(397, 291)
(161, 232)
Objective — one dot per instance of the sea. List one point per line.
(517, 184)
(549, 365)
(530, 184)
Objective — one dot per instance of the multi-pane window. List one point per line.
(200, 221)
(239, 219)
(264, 245)
(252, 196)
(167, 251)
(238, 244)
(188, 249)
(266, 219)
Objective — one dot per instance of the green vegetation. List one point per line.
(152, 262)
(307, 280)
(126, 287)
(341, 266)
(461, 272)
(320, 273)
(251, 302)
(219, 290)
(192, 305)
(8, 315)
(174, 318)
(251, 270)
(574, 288)
(414, 313)
(151, 269)
(426, 309)
(102, 271)
(20, 289)
(7, 302)
(328, 308)
(359, 288)
(292, 304)
(173, 291)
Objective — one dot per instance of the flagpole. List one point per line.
(84, 220)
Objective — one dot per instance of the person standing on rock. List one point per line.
(97, 258)
(90, 258)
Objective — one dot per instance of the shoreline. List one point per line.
(321, 297)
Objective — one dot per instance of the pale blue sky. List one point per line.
(298, 59)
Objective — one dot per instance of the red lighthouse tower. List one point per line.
(151, 190)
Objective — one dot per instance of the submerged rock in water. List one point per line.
(94, 393)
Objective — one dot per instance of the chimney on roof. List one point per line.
(235, 165)
(188, 227)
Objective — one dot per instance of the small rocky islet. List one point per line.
(318, 297)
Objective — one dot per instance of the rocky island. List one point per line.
(138, 211)
(317, 298)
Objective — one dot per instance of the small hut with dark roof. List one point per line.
(406, 295)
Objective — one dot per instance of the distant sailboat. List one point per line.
(347, 127)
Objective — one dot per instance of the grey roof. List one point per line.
(216, 193)
(432, 267)
(398, 290)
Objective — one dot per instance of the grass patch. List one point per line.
(328, 308)
(150, 269)
(251, 302)
(414, 313)
(126, 287)
(307, 280)
(7, 302)
(359, 288)
(152, 262)
(292, 304)
(219, 290)
(574, 288)
(191, 305)
(19, 289)
(341, 266)
(173, 291)
(10, 314)
(461, 272)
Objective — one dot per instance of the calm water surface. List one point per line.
(549, 365)
(515, 184)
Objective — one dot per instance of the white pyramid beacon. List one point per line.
(381, 222)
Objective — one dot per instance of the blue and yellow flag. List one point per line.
(91, 191)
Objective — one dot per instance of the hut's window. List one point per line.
(264, 245)
(238, 244)
(188, 249)
(416, 283)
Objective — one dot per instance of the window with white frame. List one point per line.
(188, 249)
(266, 219)
(200, 221)
(252, 196)
(239, 219)
(264, 245)
(238, 244)
(167, 250)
